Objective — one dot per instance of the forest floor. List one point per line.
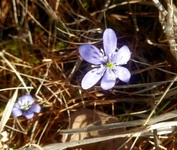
(39, 43)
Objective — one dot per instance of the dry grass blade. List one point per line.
(160, 100)
(153, 123)
(8, 110)
(39, 42)
(16, 72)
(61, 146)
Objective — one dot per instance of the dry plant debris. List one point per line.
(39, 43)
(87, 118)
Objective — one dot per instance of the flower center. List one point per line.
(110, 65)
(25, 104)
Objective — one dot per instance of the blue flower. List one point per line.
(25, 106)
(106, 63)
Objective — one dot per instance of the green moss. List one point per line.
(60, 45)
(86, 3)
(13, 48)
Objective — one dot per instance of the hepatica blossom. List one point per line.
(106, 62)
(25, 106)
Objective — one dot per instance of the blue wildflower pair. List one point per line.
(106, 63)
(25, 106)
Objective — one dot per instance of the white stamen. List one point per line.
(25, 104)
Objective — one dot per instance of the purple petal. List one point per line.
(109, 42)
(92, 77)
(91, 54)
(109, 79)
(35, 108)
(122, 56)
(27, 98)
(16, 111)
(28, 114)
(122, 73)
(16, 105)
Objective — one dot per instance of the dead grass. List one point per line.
(39, 42)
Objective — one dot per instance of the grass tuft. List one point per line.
(39, 43)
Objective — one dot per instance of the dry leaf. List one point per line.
(86, 117)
